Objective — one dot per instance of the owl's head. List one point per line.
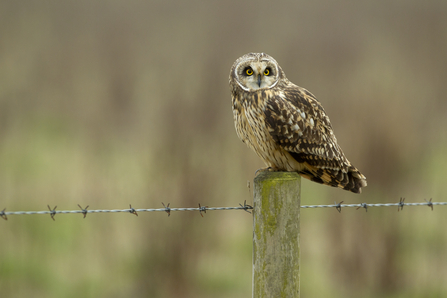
(255, 71)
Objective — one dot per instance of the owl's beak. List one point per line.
(259, 80)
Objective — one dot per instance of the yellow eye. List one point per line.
(266, 72)
(249, 71)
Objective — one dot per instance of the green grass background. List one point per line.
(111, 103)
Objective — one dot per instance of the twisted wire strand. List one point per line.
(375, 205)
(201, 209)
(120, 210)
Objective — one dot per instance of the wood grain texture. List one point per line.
(276, 235)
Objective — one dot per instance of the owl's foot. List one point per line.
(267, 169)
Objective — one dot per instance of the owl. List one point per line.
(286, 125)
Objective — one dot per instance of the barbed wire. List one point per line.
(85, 211)
(202, 209)
(399, 205)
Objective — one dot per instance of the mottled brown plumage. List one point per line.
(285, 124)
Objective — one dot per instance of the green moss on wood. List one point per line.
(276, 235)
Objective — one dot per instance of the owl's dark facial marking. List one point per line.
(248, 71)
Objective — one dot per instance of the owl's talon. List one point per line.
(269, 169)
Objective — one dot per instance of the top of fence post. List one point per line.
(276, 233)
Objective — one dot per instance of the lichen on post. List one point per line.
(276, 235)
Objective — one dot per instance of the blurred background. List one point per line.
(111, 103)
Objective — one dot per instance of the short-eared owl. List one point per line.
(286, 125)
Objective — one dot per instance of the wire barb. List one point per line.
(246, 207)
(401, 204)
(363, 205)
(167, 209)
(84, 210)
(338, 206)
(429, 204)
(202, 208)
(52, 212)
(132, 210)
(3, 215)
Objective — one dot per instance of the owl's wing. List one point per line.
(298, 123)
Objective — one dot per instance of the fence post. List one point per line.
(276, 235)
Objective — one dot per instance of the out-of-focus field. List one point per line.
(111, 103)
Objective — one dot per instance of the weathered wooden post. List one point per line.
(276, 235)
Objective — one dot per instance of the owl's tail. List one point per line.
(351, 180)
